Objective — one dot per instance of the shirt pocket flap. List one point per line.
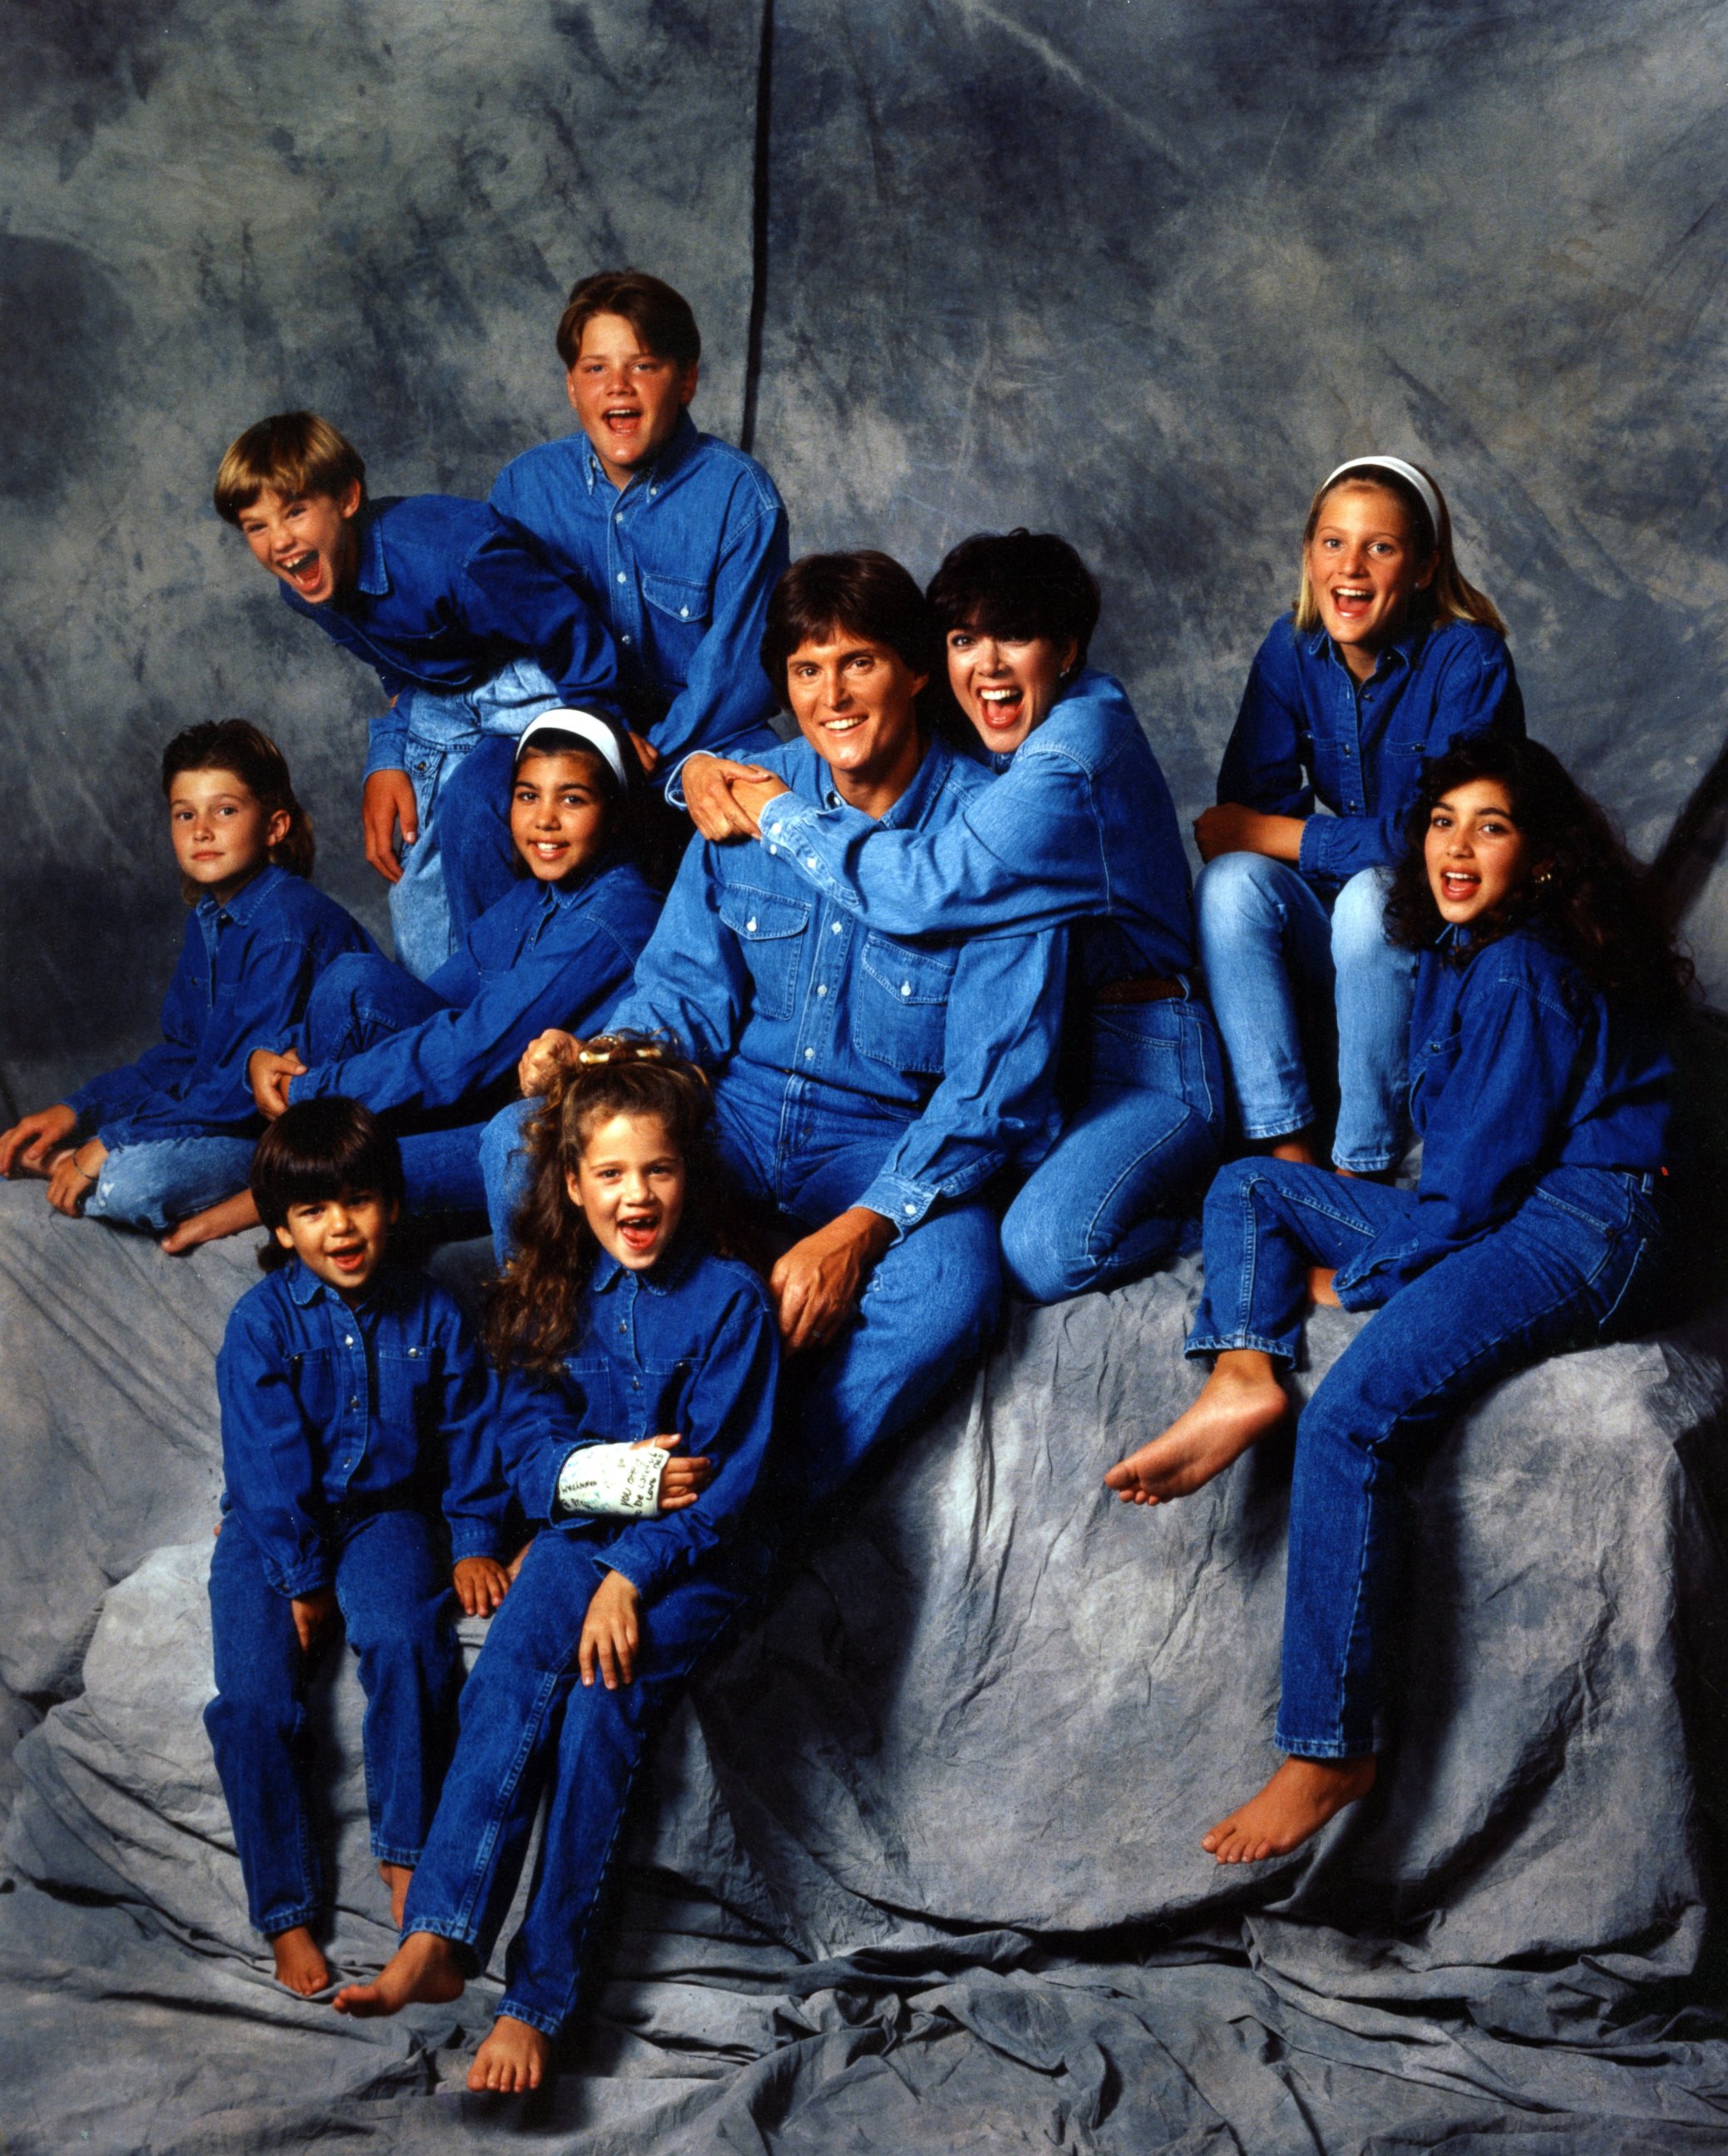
(761, 916)
(684, 602)
(910, 977)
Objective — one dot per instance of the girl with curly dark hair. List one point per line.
(1540, 1079)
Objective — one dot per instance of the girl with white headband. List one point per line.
(1390, 657)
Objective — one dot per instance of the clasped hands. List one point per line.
(725, 800)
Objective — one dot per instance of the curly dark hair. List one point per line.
(531, 1310)
(1586, 895)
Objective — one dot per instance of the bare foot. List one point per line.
(1239, 1403)
(396, 1877)
(299, 1965)
(232, 1216)
(1298, 1147)
(423, 1967)
(511, 2060)
(1297, 1802)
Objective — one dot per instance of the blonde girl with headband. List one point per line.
(1389, 657)
(638, 1368)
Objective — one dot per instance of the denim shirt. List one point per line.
(689, 1348)
(328, 1405)
(955, 1039)
(679, 566)
(247, 966)
(448, 593)
(540, 956)
(1308, 729)
(1079, 829)
(1517, 1066)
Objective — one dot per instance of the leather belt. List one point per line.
(1138, 989)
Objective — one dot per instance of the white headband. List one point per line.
(1430, 499)
(586, 727)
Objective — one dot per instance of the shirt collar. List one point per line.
(1403, 648)
(245, 901)
(818, 784)
(659, 1279)
(684, 440)
(306, 1288)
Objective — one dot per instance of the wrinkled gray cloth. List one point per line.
(919, 1866)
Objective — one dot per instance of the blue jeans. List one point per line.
(1550, 1278)
(360, 999)
(1282, 963)
(155, 1184)
(459, 751)
(1111, 1198)
(929, 1305)
(392, 1584)
(526, 1718)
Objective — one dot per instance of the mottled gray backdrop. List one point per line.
(1138, 269)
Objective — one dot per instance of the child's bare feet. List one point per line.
(1298, 1147)
(230, 1216)
(300, 1964)
(1239, 1403)
(1296, 1802)
(423, 1967)
(396, 1877)
(511, 2060)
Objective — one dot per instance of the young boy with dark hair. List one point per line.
(471, 625)
(354, 1400)
(675, 538)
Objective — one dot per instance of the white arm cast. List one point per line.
(618, 1482)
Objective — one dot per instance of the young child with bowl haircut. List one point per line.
(639, 1373)
(676, 537)
(469, 624)
(355, 1404)
(153, 1143)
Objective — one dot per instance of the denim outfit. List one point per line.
(474, 630)
(1077, 829)
(690, 1347)
(1282, 943)
(1544, 1121)
(853, 1068)
(340, 1425)
(434, 1057)
(679, 566)
(179, 1123)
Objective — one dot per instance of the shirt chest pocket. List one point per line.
(319, 1386)
(1433, 1061)
(592, 1379)
(404, 1376)
(677, 604)
(771, 932)
(899, 1007)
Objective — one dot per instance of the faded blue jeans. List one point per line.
(1549, 1279)
(1284, 969)
(163, 1180)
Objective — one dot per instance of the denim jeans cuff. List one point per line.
(536, 2017)
(1322, 1747)
(286, 1920)
(390, 1852)
(455, 1930)
(1219, 1343)
(1372, 1164)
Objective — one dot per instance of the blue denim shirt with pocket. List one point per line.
(680, 565)
(447, 595)
(1308, 730)
(1518, 1067)
(247, 966)
(689, 1349)
(541, 957)
(1079, 830)
(955, 1037)
(384, 1403)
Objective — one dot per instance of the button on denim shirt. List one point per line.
(679, 566)
(1308, 730)
(448, 593)
(247, 966)
(540, 956)
(689, 1348)
(1079, 829)
(1517, 1067)
(381, 1404)
(955, 1039)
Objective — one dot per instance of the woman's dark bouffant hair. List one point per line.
(1585, 893)
(314, 1151)
(235, 744)
(1018, 583)
(531, 1310)
(860, 594)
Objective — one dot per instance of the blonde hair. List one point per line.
(1449, 594)
(290, 453)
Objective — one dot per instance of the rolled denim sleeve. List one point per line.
(510, 593)
(723, 708)
(541, 1421)
(268, 1456)
(386, 741)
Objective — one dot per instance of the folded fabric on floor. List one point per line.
(919, 1866)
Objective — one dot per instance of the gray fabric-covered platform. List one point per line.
(920, 1867)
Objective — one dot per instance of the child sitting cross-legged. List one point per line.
(639, 1371)
(356, 1405)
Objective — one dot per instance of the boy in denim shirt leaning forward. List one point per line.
(354, 1401)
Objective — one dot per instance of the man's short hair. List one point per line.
(863, 594)
(318, 1150)
(660, 316)
(290, 453)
